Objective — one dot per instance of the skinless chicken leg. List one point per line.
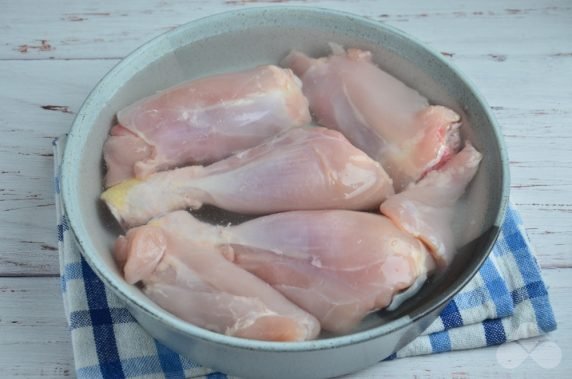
(203, 121)
(337, 265)
(197, 284)
(425, 210)
(301, 169)
(379, 114)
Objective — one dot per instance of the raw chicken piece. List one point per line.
(303, 168)
(379, 114)
(425, 210)
(121, 152)
(203, 121)
(197, 284)
(337, 265)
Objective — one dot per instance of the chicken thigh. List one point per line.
(337, 265)
(197, 284)
(203, 121)
(301, 169)
(379, 114)
(425, 209)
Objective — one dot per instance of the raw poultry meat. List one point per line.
(203, 121)
(121, 152)
(301, 169)
(197, 284)
(379, 114)
(425, 209)
(337, 265)
(318, 263)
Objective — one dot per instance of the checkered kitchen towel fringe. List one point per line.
(506, 301)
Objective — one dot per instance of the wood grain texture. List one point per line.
(99, 28)
(517, 52)
(39, 99)
(34, 337)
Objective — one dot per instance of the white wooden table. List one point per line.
(518, 52)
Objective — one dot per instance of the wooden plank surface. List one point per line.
(39, 99)
(34, 337)
(518, 53)
(99, 28)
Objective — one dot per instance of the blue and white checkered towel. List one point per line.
(506, 301)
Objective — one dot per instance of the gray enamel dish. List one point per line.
(245, 38)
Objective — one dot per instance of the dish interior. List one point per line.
(243, 40)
